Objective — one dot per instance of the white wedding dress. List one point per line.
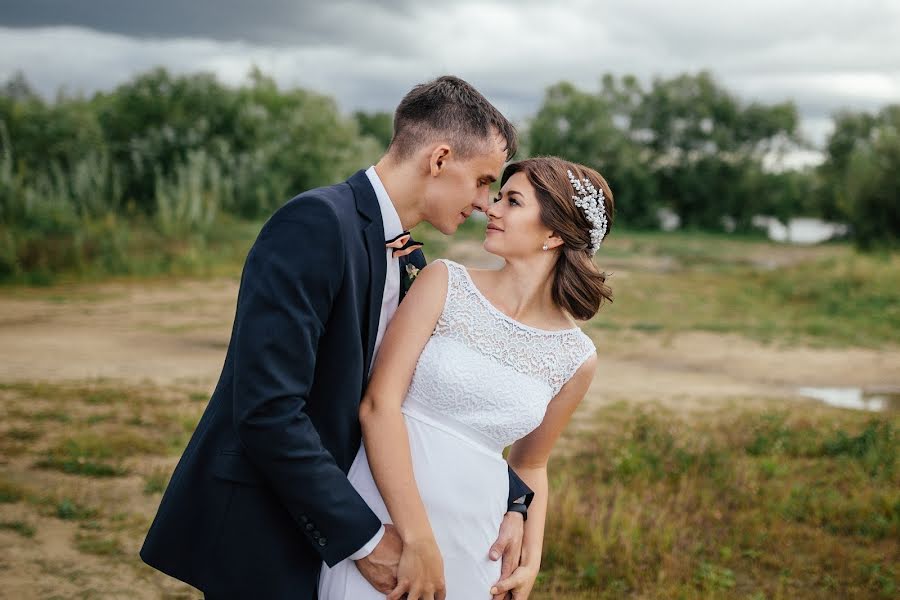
(482, 382)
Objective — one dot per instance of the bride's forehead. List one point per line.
(519, 182)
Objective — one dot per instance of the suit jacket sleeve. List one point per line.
(519, 493)
(290, 280)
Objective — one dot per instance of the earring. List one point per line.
(545, 246)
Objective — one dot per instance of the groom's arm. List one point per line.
(290, 280)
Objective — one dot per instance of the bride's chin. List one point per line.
(489, 247)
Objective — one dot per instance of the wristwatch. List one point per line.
(518, 505)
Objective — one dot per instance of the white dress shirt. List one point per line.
(390, 300)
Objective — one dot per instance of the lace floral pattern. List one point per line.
(488, 371)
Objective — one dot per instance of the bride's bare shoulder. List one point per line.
(434, 272)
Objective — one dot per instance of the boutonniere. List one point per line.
(409, 275)
(411, 272)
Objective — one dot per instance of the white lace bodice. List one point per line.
(486, 371)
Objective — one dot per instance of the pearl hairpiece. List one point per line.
(591, 201)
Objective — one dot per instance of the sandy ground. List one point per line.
(174, 334)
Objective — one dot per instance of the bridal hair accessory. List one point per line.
(590, 200)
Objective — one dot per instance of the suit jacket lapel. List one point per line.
(373, 232)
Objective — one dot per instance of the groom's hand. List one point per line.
(421, 572)
(380, 567)
(508, 545)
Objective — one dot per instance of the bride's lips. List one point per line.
(492, 227)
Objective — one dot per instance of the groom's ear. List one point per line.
(438, 159)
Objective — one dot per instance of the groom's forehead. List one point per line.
(489, 160)
(486, 169)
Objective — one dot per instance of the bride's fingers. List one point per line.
(398, 592)
(417, 593)
(505, 585)
(421, 594)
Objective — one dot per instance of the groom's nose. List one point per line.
(482, 201)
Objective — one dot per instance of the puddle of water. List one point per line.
(800, 230)
(874, 399)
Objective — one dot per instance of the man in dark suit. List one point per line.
(260, 496)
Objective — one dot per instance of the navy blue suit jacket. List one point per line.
(260, 496)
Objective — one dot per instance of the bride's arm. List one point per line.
(385, 436)
(528, 457)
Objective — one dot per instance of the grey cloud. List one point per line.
(824, 54)
(269, 22)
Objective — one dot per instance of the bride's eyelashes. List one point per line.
(512, 201)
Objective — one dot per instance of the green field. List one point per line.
(774, 504)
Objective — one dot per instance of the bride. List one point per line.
(473, 362)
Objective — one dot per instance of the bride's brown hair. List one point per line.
(579, 287)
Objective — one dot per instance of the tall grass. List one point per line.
(771, 505)
(158, 167)
(191, 199)
(75, 223)
(57, 199)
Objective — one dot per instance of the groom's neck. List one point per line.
(403, 185)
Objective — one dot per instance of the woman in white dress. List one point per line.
(474, 362)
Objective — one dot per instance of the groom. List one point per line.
(260, 496)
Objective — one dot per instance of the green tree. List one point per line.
(153, 122)
(870, 194)
(379, 125)
(851, 129)
(685, 142)
(707, 148)
(46, 134)
(592, 129)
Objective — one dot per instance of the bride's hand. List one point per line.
(420, 575)
(518, 584)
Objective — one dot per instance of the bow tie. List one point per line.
(403, 244)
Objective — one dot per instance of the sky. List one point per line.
(825, 55)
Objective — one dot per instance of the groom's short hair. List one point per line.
(448, 108)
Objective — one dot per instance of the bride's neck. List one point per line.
(526, 288)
